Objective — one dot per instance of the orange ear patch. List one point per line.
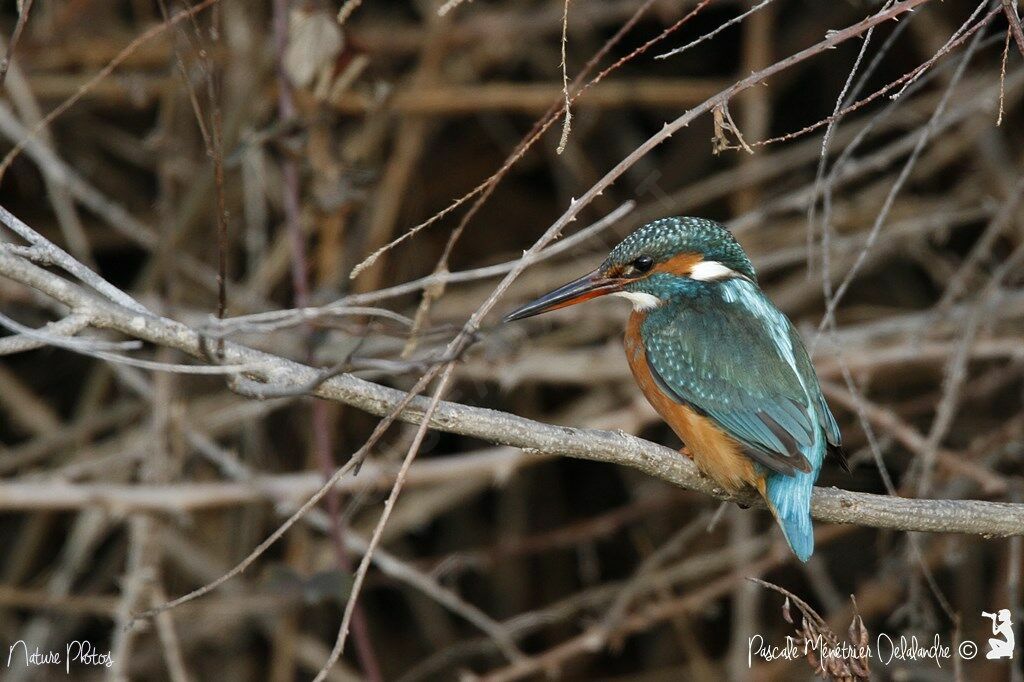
(680, 264)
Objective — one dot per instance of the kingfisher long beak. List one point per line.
(588, 286)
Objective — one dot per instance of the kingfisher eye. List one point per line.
(643, 264)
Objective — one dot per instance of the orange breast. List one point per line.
(714, 452)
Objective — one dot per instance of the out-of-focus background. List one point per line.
(294, 139)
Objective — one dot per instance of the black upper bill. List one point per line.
(586, 287)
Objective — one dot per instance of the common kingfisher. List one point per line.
(718, 361)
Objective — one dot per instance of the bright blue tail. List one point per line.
(790, 500)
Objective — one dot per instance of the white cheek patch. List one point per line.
(712, 271)
(639, 299)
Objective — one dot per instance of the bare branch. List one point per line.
(829, 504)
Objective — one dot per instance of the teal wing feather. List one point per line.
(806, 369)
(729, 354)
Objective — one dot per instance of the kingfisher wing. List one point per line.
(825, 417)
(737, 360)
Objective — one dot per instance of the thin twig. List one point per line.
(567, 122)
(1010, 10)
(23, 12)
(121, 56)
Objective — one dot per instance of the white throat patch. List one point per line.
(712, 271)
(640, 300)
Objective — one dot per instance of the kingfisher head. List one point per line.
(666, 259)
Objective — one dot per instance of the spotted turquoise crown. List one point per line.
(668, 237)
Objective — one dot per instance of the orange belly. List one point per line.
(714, 452)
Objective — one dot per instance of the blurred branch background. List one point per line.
(228, 164)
